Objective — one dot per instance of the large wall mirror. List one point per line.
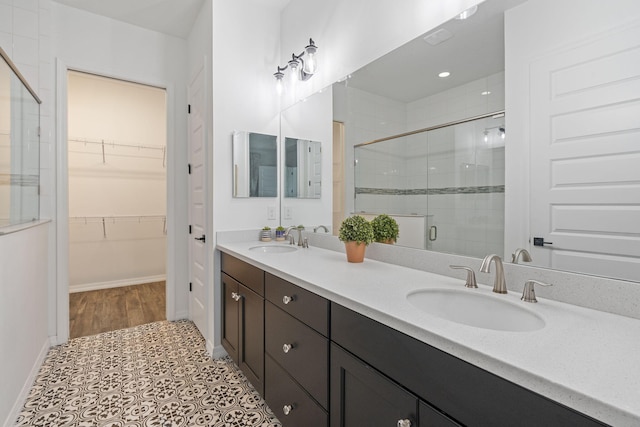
(439, 153)
(255, 165)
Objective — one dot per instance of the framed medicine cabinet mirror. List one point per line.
(255, 164)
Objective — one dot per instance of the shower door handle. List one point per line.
(202, 239)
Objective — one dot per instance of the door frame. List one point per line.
(59, 245)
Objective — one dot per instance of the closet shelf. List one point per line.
(117, 218)
(113, 219)
(113, 144)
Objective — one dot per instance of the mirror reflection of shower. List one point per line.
(444, 185)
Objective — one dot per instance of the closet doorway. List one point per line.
(117, 159)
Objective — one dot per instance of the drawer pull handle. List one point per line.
(404, 423)
(235, 296)
(287, 299)
(287, 347)
(287, 409)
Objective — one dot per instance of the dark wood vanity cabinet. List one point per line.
(243, 317)
(297, 354)
(448, 386)
(362, 396)
(317, 363)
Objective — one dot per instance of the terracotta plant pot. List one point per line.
(355, 251)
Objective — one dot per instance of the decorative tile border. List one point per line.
(482, 189)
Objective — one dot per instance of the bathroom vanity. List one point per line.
(343, 347)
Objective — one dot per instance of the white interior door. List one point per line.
(315, 168)
(198, 260)
(338, 177)
(585, 156)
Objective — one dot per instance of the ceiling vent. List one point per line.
(438, 36)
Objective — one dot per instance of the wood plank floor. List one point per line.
(93, 312)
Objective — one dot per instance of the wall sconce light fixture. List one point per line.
(299, 67)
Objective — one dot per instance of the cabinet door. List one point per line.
(230, 317)
(251, 351)
(361, 396)
(431, 417)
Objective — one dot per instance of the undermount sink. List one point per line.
(474, 309)
(273, 249)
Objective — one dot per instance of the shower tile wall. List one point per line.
(468, 222)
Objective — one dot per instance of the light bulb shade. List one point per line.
(310, 64)
(279, 75)
(294, 67)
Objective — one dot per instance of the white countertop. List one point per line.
(582, 358)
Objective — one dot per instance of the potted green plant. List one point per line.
(385, 229)
(356, 233)
(280, 233)
(265, 234)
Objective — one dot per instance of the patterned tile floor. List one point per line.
(154, 375)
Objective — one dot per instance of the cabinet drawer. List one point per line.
(250, 276)
(307, 360)
(281, 391)
(306, 306)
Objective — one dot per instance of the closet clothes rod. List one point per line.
(117, 144)
(112, 219)
(118, 218)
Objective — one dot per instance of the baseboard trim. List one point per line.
(84, 287)
(180, 315)
(218, 352)
(26, 388)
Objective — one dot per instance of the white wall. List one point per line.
(350, 34)
(91, 43)
(23, 315)
(26, 257)
(244, 99)
(312, 120)
(520, 51)
(245, 54)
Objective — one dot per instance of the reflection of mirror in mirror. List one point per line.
(255, 165)
(445, 186)
(303, 168)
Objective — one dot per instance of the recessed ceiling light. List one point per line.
(486, 92)
(444, 74)
(468, 13)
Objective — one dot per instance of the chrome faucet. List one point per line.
(500, 284)
(471, 276)
(291, 239)
(526, 256)
(315, 229)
